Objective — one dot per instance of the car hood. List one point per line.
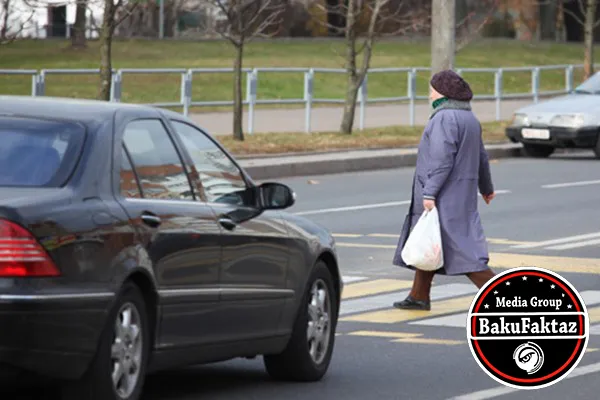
(543, 112)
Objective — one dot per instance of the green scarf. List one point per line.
(438, 102)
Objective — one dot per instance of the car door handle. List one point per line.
(227, 223)
(151, 219)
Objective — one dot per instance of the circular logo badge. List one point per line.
(528, 328)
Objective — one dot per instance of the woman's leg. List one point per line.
(480, 278)
(419, 297)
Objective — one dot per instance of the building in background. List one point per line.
(41, 19)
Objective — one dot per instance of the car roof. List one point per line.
(83, 110)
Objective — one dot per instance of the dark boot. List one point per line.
(410, 303)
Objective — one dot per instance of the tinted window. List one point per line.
(156, 161)
(129, 184)
(32, 151)
(220, 180)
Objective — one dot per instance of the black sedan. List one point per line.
(132, 242)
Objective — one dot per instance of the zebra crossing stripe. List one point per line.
(352, 279)
(590, 298)
(392, 316)
(385, 301)
(370, 300)
(376, 286)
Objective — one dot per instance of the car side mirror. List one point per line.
(276, 196)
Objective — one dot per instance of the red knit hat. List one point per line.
(448, 83)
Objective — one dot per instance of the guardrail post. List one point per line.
(251, 83)
(569, 79)
(41, 84)
(363, 102)
(34, 84)
(498, 92)
(186, 91)
(116, 87)
(412, 94)
(535, 84)
(308, 96)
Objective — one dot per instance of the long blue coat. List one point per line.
(452, 167)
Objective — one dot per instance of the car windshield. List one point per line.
(37, 152)
(590, 86)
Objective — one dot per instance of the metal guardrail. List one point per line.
(38, 79)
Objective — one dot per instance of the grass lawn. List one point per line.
(389, 137)
(52, 54)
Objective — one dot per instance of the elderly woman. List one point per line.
(452, 165)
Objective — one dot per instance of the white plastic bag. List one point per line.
(423, 248)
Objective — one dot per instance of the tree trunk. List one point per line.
(78, 39)
(106, 50)
(561, 32)
(443, 44)
(590, 17)
(6, 11)
(548, 16)
(238, 109)
(350, 105)
(351, 86)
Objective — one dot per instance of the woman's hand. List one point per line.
(428, 204)
(488, 197)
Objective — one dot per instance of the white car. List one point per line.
(570, 121)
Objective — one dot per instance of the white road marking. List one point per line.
(503, 390)
(592, 242)
(354, 208)
(500, 192)
(558, 241)
(351, 279)
(383, 301)
(590, 298)
(367, 206)
(570, 184)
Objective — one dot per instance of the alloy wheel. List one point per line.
(319, 324)
(127, 350)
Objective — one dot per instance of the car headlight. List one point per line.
(520, 120)
(568, 121)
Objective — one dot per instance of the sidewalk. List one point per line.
(348, 161)
(329, 118)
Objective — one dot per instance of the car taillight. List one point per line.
(21, 255)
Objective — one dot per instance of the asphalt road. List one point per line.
(545, 214)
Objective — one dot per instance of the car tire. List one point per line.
(97, 383)
(597, 147)
(538, 150)
(296, 363)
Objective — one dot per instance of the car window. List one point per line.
(33, 151)
(156, 161)
(220, 179)
(129, 184)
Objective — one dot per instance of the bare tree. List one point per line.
(243, 20)
(366, 21)
(587, 19)
(110, 20)
(15, 17)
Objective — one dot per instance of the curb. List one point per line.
(365, 162)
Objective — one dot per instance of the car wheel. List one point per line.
(309, 351)
(118, 369)
(597, 148)
(537, 150)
